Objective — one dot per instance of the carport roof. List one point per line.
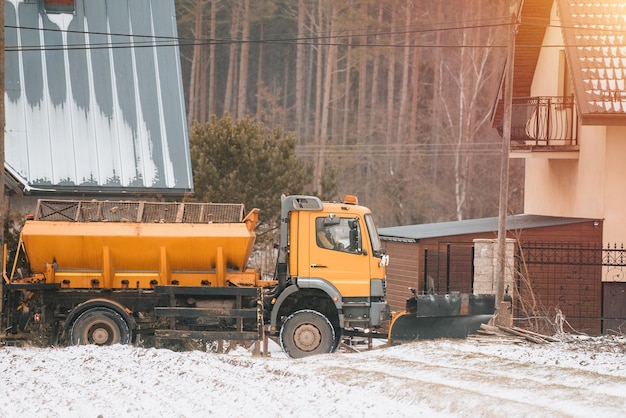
(472, 226)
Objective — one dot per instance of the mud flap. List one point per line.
(408, 327)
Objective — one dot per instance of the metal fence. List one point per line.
(578, 279)
(137, 211)
(584, 281)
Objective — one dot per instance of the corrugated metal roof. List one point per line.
(94, 99)
(595, 42)
(472, 226)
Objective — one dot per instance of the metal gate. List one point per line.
(614, 290)
(449, 268)
(582, 281)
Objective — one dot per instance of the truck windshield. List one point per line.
(373, 233)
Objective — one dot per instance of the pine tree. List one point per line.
(246, 162)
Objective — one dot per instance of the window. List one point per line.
(339, 234)
(374, 238)
(59, 6)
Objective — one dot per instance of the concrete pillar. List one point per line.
(485, 273)
(485, 265)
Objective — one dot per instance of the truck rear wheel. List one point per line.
(100, 326)
(307, 332)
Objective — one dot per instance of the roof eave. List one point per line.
(603, 119)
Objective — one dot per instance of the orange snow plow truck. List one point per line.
(104, 272)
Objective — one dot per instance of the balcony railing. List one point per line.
(537, 122)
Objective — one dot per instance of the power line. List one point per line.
(340, 39)
(402, 150)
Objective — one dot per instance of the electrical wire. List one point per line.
(338, 39)
(399, 150)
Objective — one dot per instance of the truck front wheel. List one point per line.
(307, 332)
(100, 326)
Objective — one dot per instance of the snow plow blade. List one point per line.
(441, 316)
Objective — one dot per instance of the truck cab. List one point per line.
(331, 273)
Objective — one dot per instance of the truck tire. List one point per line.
(306, 333)
(100, 326)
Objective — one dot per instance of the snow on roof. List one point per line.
(472, 226)
(596, 48)
(94, 98)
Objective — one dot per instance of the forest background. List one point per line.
(390, 99)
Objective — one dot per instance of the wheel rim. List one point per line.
(307, 332)
(100, 326)
(307, 337)
(100, 334)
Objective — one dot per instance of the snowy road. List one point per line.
(445, 377)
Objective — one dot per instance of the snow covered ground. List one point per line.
(452, 378)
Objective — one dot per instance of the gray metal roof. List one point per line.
(94, 99)
(472, 226)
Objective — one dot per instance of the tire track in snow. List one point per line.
(471, 380)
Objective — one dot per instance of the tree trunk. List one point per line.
(325, 110)
(193, 112)
(232, 59)
(362, 85)
(404, 91)
(300, 68)
(318, 75)
(391, 80)
(414, 118)
(435, 99)
(244, 61)
(346, 93)
(259, 77)
(375, 73)
(212, 63)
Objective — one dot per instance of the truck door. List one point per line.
(336, 253)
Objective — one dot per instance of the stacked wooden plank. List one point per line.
(515, 334)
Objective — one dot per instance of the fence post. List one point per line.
(486, 267)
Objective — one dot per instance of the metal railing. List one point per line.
(137, 211)
(544, 121)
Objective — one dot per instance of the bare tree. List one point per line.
(301, 66)
(376, 69)
(326, 102)
(404, 90)
(362, 82)
(212, 63)
(391, 77)
(243, 61)
(232, 57)
(415, 84)
(197, 88)
(468, 75)
(346, 93)
(402, 84)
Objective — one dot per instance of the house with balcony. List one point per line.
(568, 118)
(568, 123)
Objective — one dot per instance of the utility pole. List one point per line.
(504, 167)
